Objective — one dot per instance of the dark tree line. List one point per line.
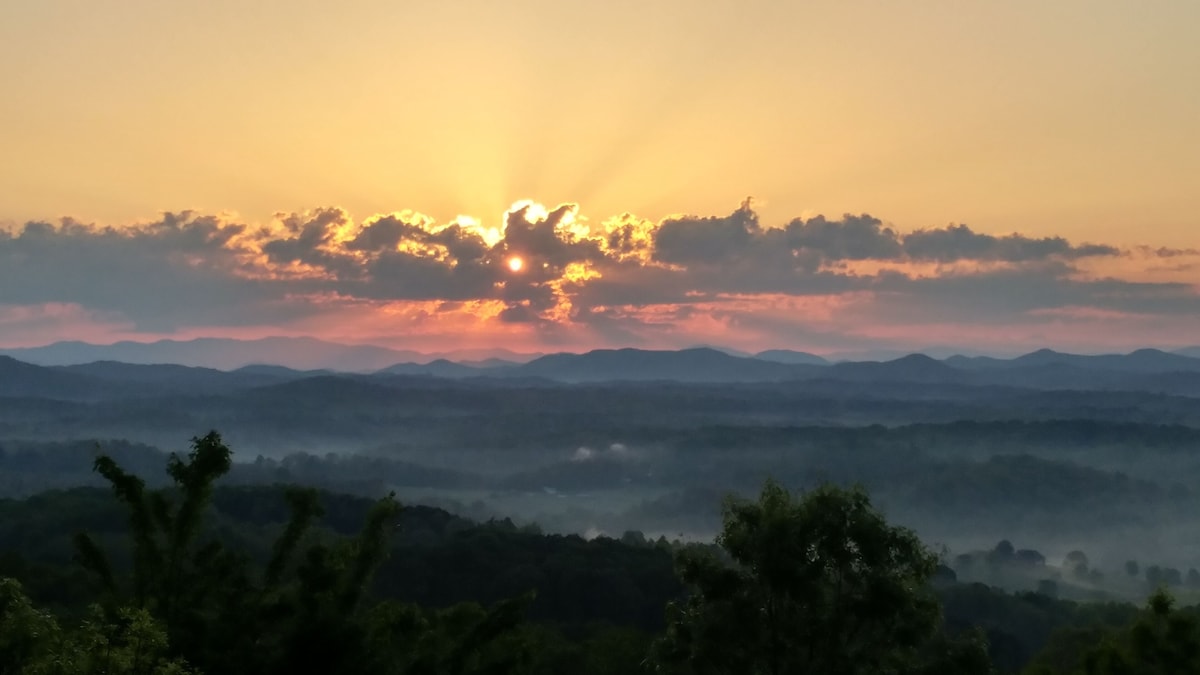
(817, 582)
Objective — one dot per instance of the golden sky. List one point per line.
(1069, 119)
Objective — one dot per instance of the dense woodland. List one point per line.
(193, 578)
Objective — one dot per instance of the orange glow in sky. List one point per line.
(231, 168)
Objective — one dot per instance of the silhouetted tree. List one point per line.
(1076, 563)
(1172, 577)
(1002, 553)
(305, 612)
(819, 584)
(1154, 576)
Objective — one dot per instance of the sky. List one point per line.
(833, 177)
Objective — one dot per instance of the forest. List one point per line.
(541, 521)
(199, 577)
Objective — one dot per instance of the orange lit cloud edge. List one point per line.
(551, 279)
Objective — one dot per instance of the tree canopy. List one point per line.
(819, 583)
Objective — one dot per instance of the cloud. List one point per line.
(804, 243)
(959, 242)
(307, 239)
(1013, 295)
(180, 269)
(707, 241)
(37, 324)
(546, 239)
(518, 313)
(851, 238)
(1168, 252)
(626, 280)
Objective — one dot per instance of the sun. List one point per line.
(515, 264)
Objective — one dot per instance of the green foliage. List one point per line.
(306, 611)
(1162, 641)
(816, 584)
(286, 580)
(27, 635)
(578, 581)
(130, 642)
(162, 532)
(126, 642)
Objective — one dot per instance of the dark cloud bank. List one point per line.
(189, 269)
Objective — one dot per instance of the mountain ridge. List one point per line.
(1041, 369)
(297, 353)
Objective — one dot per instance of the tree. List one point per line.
(819, 584)
(1162, 640)
(1154, 576)
(163, 532)
(1002, 554)
(204, 606)
(1131, 568)
(31, 642)
(183, 587)
(1076, 563)
(1172, 577)
(26, 633)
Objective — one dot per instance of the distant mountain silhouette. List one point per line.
(724, 350)
(791, 357)
(492, 363)
(149, 379)
(137, 372)
(688, 365)
(1140, 361)
(438, 368)
(281, 373)
(223, 354)
(911, 368)
(1143, 370)
(1192, 352)
(301, 353)
(19, 379)
(976, 362)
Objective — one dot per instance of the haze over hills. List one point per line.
(1046, 447)
(1142, 361)
(308, 354)
(687, 365)
(911, 368)
(1143, 370)
(441, 368)
(18, 378)
(300, 353)
(791, 356)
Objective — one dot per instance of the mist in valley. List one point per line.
(971, 457)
